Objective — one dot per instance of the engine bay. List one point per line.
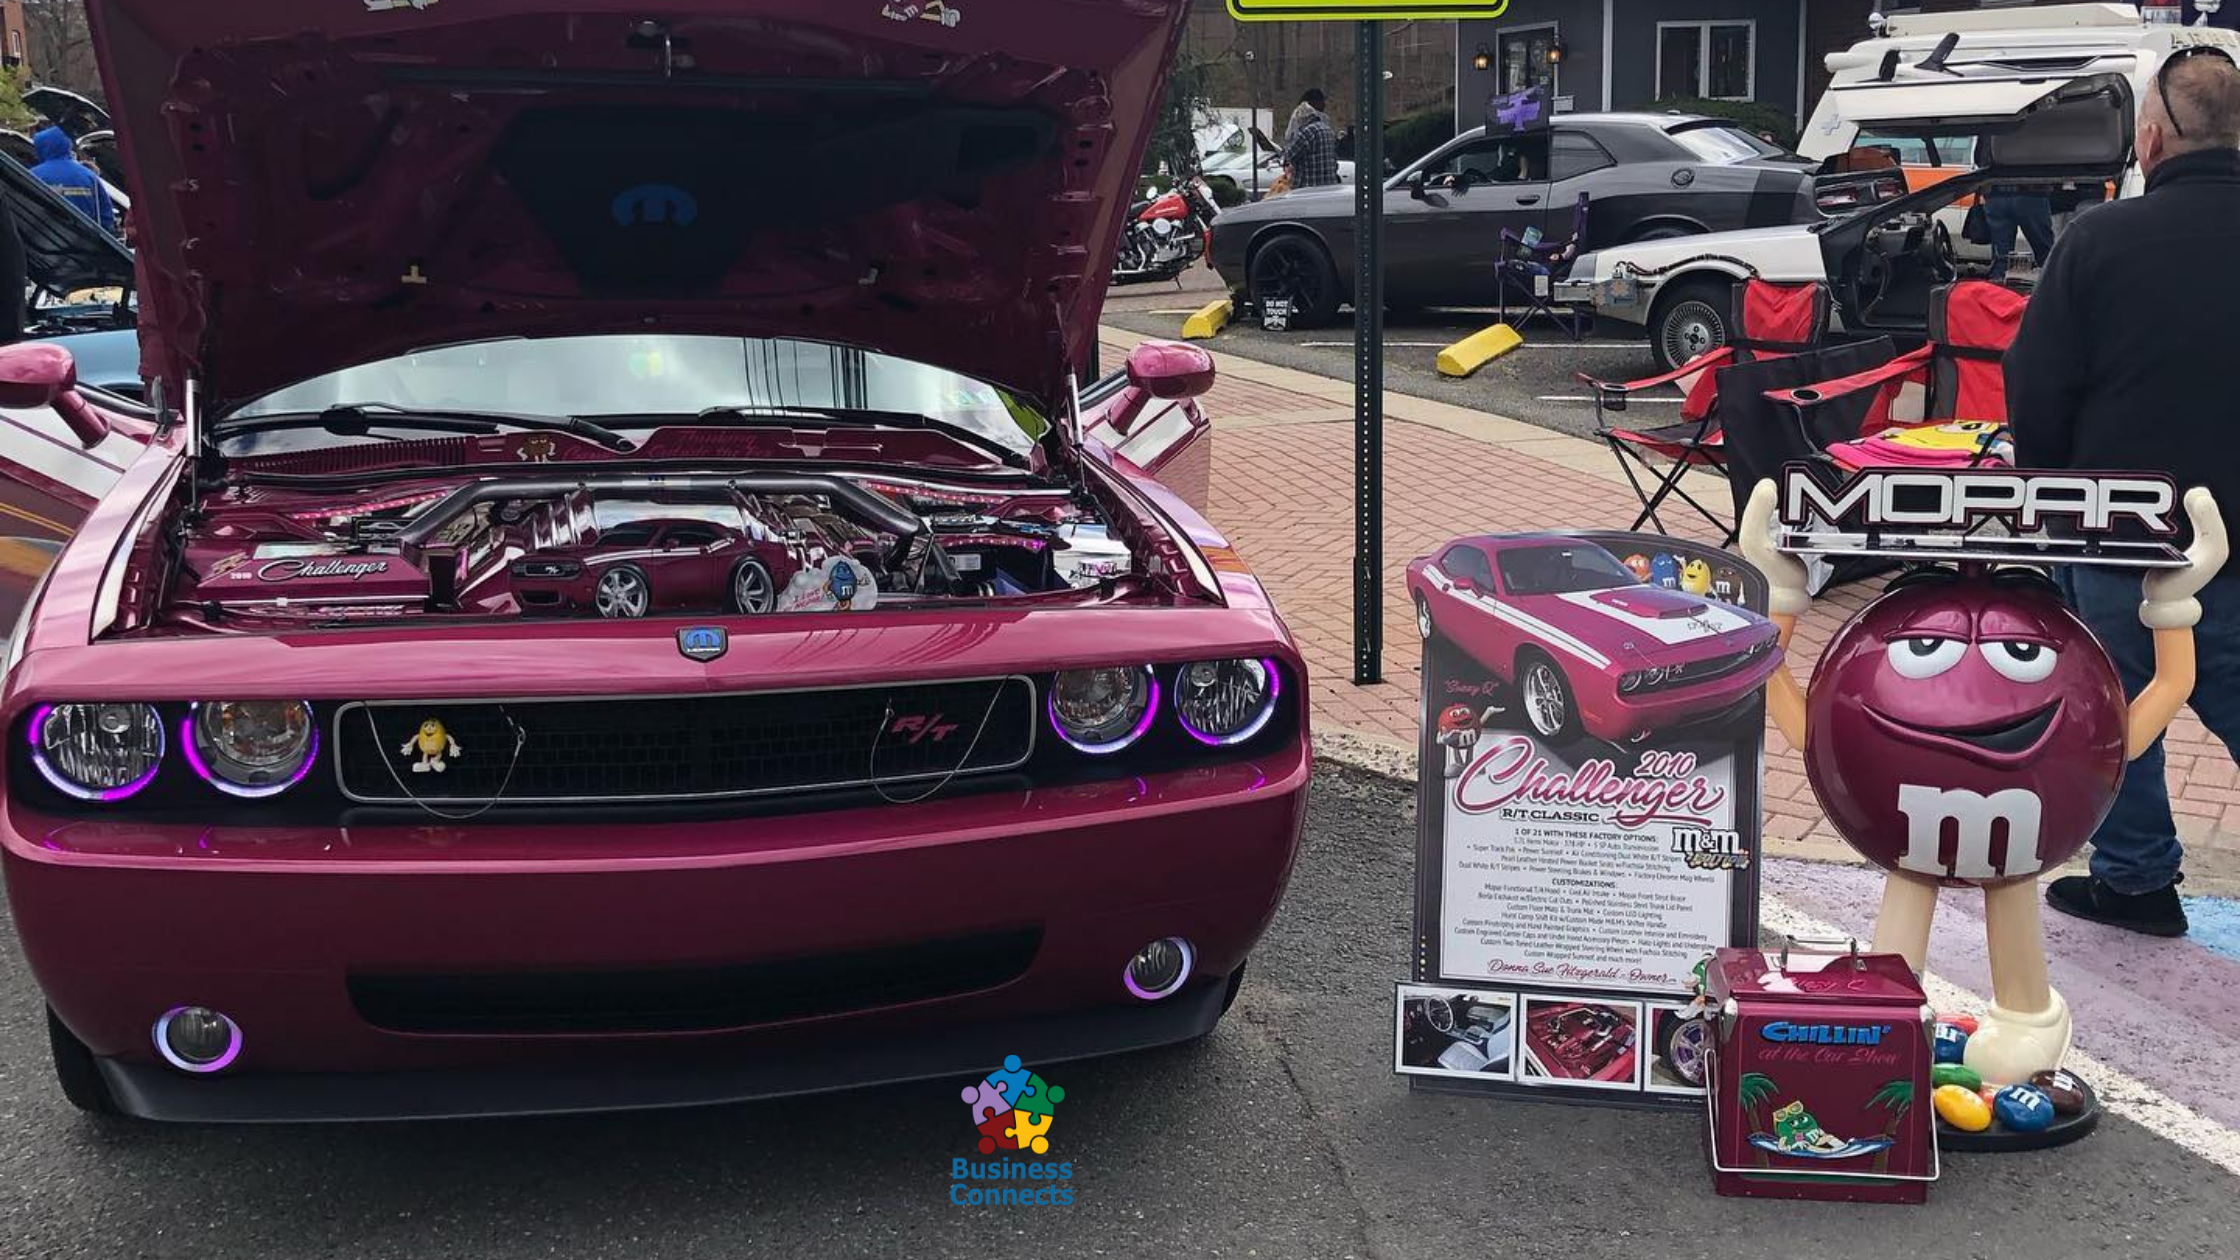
(624, 544)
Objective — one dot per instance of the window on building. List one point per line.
(15, 43)
(1710, 59)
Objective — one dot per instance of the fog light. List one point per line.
(197, 1039)
(1160, 968)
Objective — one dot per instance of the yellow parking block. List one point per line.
(1212, 319)
(1478, 349)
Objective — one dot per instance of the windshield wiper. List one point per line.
(360, 419)
(787, 414)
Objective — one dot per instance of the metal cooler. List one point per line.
(1819, 1077)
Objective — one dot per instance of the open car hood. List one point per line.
(941, 182)
(2027, 126)
(63, 250)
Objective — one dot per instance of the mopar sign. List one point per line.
(703, 643)
(1825, 1034)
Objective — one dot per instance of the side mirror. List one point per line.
(35, 374)
(1170, 369)
(1415, 185)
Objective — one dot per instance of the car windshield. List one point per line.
(606, 377)
(1560, 570)
(1724, 144)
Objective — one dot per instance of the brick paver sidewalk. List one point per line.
(1282, 490)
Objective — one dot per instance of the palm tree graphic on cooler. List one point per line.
(1795, 1132)
(1896, 1097)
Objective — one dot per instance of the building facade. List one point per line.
(1624, 54)
(15, 35)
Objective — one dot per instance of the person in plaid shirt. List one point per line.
(1310, 152)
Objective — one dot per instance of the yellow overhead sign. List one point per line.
(1359, 10)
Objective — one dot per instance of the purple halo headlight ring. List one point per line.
(1160, 969)
(1102, 711)
(197, 1039)
(97, 752)
(1222, 703)
(250, 748)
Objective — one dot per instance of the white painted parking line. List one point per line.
(2122, 1095)
(1589, 398)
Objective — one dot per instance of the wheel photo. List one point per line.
(1424, 625)
(1546, 695)
(76, 1071)
(753, 589)
(1665, 232)
(1297, 268)
(1691, 321)
(1683, 1046)
(624, 593)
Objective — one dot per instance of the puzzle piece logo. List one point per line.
(1014, 1109)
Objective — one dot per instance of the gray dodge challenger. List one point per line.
(1646, 176)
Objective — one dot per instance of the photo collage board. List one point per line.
(1589, 811)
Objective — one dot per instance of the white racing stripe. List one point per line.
(2121, 1094)
(41, 444)
(1709, 622)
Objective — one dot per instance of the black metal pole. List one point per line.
(1368, 361)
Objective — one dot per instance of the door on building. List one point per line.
(1522, 59)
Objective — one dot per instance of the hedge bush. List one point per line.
(1410, 136)
(1755, 116)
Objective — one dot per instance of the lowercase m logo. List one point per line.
(703, 643)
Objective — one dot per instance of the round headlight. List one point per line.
(251, 747)
(1226, 702)
(1102, 711)
(97, 752)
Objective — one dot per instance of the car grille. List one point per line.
(694, 999)
(1703, 671)
(525, 752)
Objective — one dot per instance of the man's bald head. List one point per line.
(2197, 109)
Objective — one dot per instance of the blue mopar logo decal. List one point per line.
(1825, 1034)
(703, 643)
(654, 203)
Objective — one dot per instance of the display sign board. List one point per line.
(1588, 818)
(1359, 10)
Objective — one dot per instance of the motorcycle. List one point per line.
(1167, 233)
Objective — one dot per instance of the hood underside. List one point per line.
(940, 182)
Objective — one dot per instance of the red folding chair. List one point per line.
(1769, 321)
(1859, 420)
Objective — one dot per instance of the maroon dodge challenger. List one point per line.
(340, 784)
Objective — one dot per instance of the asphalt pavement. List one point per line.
(1284, 1134)
(1534, 383)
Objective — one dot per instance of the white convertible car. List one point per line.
(1981, 88)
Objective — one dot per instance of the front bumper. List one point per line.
(1623, 719)
(274, 926)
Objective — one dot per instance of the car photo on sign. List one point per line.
(1586, 645)
(1459, 1033)
(1594, 1045)
(1679, 1043)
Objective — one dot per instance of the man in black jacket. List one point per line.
(2124, 363)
